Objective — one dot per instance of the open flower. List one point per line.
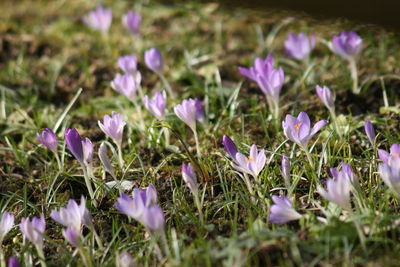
(132, 20)
(299, 130)
(33, 230)
(113, 127)
(48, 139)
(338, 190)
(99, 19)
(156, 105)
(128, 64)
(390, 173)
(253, 164)
(299, 45)
(394, 152)
(260, 66)
(347, 45)
(127, 84)
(271, 83)
(282, 210)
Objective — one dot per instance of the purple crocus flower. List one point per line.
(99, 19)
(189, 176)
(128, 64)
(156, 105)
(299, 129)
(394, 153)
(390, 173)
(369, 131)
(13, 262)
(325, 94)
(126, 260)
(338, 190)
(253, 164)
(87, 147)
(282, 210)
(72, 236)
(346, 171)
(73, 216)
(127, 84)
(74, 144)
(285, 169)
(113, 127)
(260, 66)
(347, 45)
(142, 207)
(187, 112)
(200, 116)
(48, 139)
(33, 230)
(153, 60)
(229, 146)
(132, 20)
(271, 83)
(299, 45)
(6, 223)
(105, 160)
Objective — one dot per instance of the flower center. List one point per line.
(396, 155)
(297, 126)
(250, 159)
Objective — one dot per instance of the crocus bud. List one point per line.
(72, 236)
(87, 147)
(370, 132)
(189, 176)
(126, 260)
(74, 143)
(347, 45)
(156, 105)
(6, 223)
(99, 19)
(187, 112)
(33, 230)
(271, 83)
(105, 159)
(200, 116)
(229, 146)
(48, 139)
(282, 210)
(286, 170)
(132, 20)
(13, 262)
(127, 84)
(326, 96)
(299, 45)
(113, 127)
(153, 60)
(128, 64)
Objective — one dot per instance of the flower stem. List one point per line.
(87, 262)
(97, 237)
(309, 157)
(335, 123)
(167, 85)
(120, 159)
(360, 232)
(196, 138)
(197, 201)
(89, 184)
(165, 244)
(60, 166)
(249, 185)
(354, 76)
(139, 112)
(40, 252)
(2, 259)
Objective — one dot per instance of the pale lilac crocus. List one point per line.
(326, 96)
(338, 190)
(99, 19)
(299, 129)
(87, 147)
(253, 164)
(189, 176)
(390, 173)
(260, 66)
(128, 64)
(200, 115)
(345, 171)
(153, 60)
(72, 236)
(285, 170)
(394, 153)
(156, 105)
(132, 20)
(299, 46)
(6, 223)
(143, 208)
(127, 84)
(48, 139)
(348, 45)
(13, 262)
(113, 127)
(282, 210)
(126, 260)
(370, 132)
(73, 215)
(33, 230)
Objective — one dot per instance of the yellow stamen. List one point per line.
(297, 126)
(250, 159)
(396, 155)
